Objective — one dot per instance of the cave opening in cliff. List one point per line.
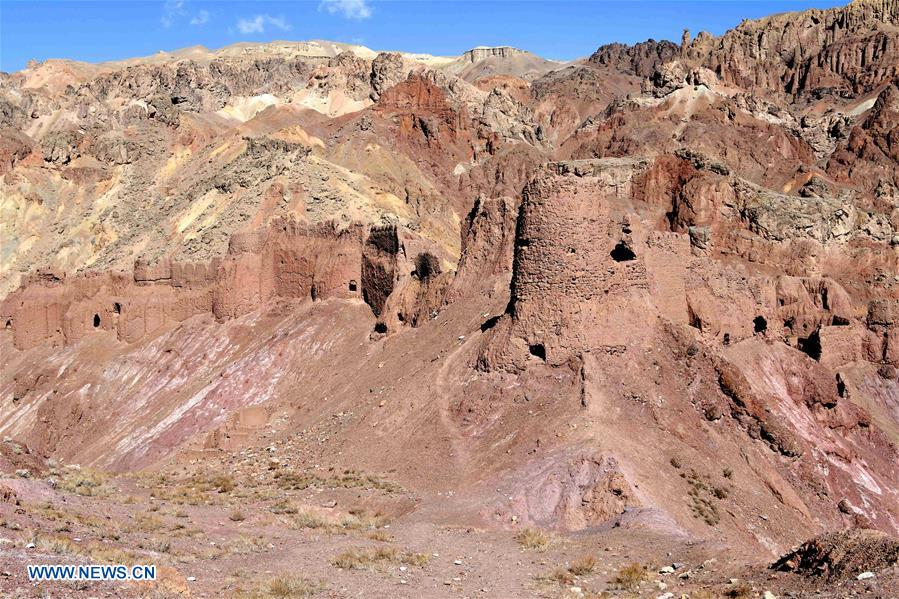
(622, 253)
(117, 308)
(760, 324)
(490, 323)
(353, 285)
(426, 266)
(9, 324)
(96, 320)
(380, 327)
(811, 346)
(726, 339)
(841, 386)
(538, 350)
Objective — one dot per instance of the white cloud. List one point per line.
(259, 23)
(351, 9)
(175, 11)
(171, 11)
(201, 18)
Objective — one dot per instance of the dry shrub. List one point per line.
(530, 538)
(629, 577)
(371, 559)
(56, 545)
(310, 519)
(293, 587)
(83, 481)
(380, 535)
(583, 566)
(104, 554)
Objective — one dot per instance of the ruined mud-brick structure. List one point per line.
(580, 264)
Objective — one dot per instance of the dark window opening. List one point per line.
(622, 253)
(96, 320)
(539, 351)
(811, 346)
(695, 320)
(490, 323)
(352, 285)
(760, 324)
(380, 327)
(841, 386)
(839, 321)
(400, 317)
(9, 324)
(726, 339)
(117, 308)
(313, 293)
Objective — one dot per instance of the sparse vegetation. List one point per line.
(559, 576)
(147, 523)
(355, 520)
(380, 535)
(83, 481)
(583, 565)
(237, 516)
(531, 538)
(373, 559)
(159, 545)
(283, 507)
(243, 545)
(103, 553)
(631, 576)
(703, 496)
(56, 545)
(310, 519)
(348, 479)
(222, 483)
(362, 520)
(195, 489)
(292, 587)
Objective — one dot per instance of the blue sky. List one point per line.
(108, 30)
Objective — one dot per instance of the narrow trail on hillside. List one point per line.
(441, 390)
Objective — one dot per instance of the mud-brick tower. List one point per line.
(575, 258)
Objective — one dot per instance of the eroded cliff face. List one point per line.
(599, 294)
(692, 249)
(850, 50)
(287, 260)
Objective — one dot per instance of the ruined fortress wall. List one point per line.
(379, 273)
(290, 260)
(576, 260)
